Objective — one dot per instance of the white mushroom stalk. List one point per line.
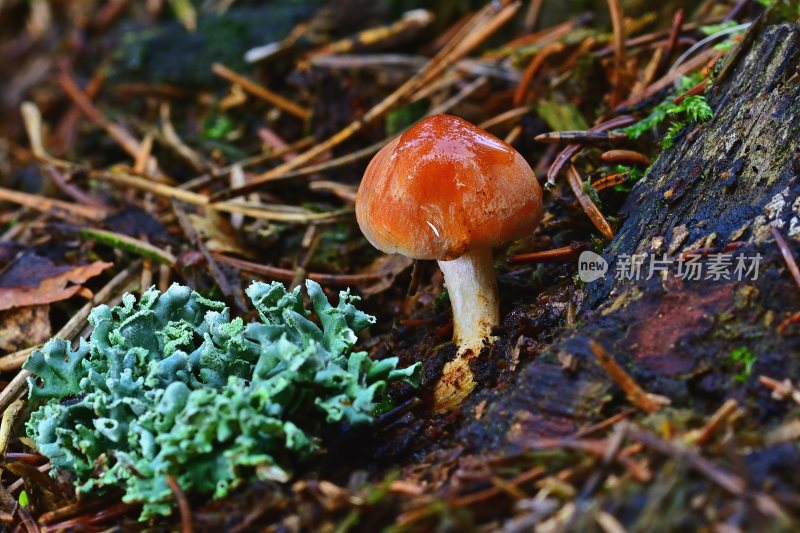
(472, 286)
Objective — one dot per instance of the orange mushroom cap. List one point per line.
(445, 187)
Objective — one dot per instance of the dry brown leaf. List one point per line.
(218, 235)
(35, 280)
(390, 266)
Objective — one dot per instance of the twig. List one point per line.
(605, 424)
(308, 247)
(172, 139)
(122, 136)
(9, 417)
(94, 519)
(722, 478)
(14, 390)
(72, 509)
(511, 116)
(475, 497)
(142, 158)
(532, 15)
(674, 34)
(649, 403)
(107, 14)
(700, 88)
(283, 213)
(702, 436)
(741, 49)
(183, 504)
(660, 37)
(620, 67)
(597, 447)
(49, 206)
(478, 29)
(580, 137)
(668, 79)
(261, 92)
(411, 21)
(405, 488)
(556, 255)
(31, 458)
(540, 38)
(342, 191)
(625, 157)
(791, 319)
(216, 272)
(209, 177)
(160, 189)
(256, 182)
(611, 454)
(72, 191)
(786, 253)
(781, 389)
(464, 93)
(146, 277)
(564, 157)
(261, 211)
(238, 178)
(649, 72)
(14, 361)
(287, 275)
(587, 204)
(19, 483)
(733, 14)
(65, 132)
(32, 120)
(608, 523)
(532, 69)
(582, 50)
(610, 181)
(129, 244)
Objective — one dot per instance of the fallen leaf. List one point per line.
(390, 266)
(218, 235)
(36, 280)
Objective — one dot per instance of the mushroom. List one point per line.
(448, 190)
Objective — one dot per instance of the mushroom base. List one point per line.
(472, 286)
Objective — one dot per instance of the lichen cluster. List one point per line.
(172, 385)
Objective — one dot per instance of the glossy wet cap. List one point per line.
(444, 187)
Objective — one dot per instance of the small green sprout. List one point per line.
(743, 356)
(218, 127)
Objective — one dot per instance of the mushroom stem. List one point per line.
(472, 287)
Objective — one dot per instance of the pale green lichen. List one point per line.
(171, 385)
